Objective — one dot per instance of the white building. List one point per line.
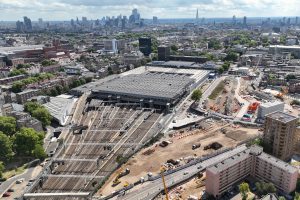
(269, 107)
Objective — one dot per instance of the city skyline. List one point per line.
(92, 9)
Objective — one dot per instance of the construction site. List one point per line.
(222, 99)
(178, 148)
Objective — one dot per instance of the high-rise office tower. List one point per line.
(279, 134)
(155, 20)
(197, 17)
(234, 20)
(27, 24)
(245, 21)
(19, 26)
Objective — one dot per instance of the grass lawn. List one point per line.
(14, 172)
(217, 91)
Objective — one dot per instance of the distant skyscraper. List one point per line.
(72, 22)
(27, 24)
(19, 26)
(234, 20)
(155, 20)
(135, 16)
(197, 17)
(288, 21)
(245, 21)
(296, 20)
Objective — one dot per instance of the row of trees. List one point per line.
(39, 112)
(16, 72)
(58, 89)
(18, 86)
(48, 63)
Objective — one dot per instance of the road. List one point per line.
(245, 103)
(151, 189)
(211, 88)
(27, 175)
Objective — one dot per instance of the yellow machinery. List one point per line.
(162, 170)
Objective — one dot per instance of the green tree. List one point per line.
(281, 198)
(8, 125)
(220, 70)
(2, 168)
(270, 188)
(231, 56)
(17, 87)
(196, 95)
(6, 152)
(244, 189)
(31, 106)
(226, 66)
(174, 48)
(17, 72)
(25, 141)
(39, 112)
(297, 196)
(39, 152)
(53, 92)
(42, 115)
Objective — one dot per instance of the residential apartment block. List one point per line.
(252, 162)
(279, 134)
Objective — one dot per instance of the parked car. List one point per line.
(6, 194)
(19, 181)
(10, 190)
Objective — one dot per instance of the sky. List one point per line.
(12, 10)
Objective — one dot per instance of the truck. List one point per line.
(196, 146)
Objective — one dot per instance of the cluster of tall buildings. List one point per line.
(25, 26)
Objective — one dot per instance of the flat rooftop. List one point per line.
(270, 104)
(281, 116)
(148, 85)
(255, 151)
(5, 50)
(277, 162)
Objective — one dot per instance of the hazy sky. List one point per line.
(94, 9)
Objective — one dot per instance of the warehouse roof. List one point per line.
(148, 84)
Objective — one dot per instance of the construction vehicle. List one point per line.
(116, 182)
(126, 184)
(124, 173)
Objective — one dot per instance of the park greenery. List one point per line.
(39, 112)
(196, 95)
(18, 142)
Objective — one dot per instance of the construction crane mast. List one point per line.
(164, 182)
